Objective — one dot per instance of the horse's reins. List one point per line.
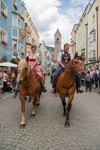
(73, 83)
(25, 87)
(66, 87)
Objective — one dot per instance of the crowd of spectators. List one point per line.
(92, 80)
(8, 80)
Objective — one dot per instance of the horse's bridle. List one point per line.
(75, 72)
(26, 87)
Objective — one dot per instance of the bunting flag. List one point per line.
(23, 32)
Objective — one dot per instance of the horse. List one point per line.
(66, 84)
(28, 85)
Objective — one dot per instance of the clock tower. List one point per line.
(57, 42)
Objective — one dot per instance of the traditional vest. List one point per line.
(65, 58)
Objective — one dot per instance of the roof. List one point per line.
(50, 48)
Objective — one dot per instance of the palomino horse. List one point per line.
(66, 84)
(28, 85)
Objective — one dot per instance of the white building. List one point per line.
(92, 32)
(45, 57)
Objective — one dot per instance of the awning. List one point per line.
(7, 64)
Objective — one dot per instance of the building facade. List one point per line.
(45, 57)
(33, 36)
(93, 32)
(99, 29)
(82, 34)
(73, 40)
(11, 21)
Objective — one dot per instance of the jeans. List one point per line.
(55, 75)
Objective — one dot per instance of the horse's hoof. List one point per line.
(64, 114)
(67, 124)
(22, 126)
(33, 115)
(38, 104)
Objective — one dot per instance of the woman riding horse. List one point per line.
(33, 62)
(63, 59)
(29, 85)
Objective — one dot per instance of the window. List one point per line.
(15, 21)
(94, 36)
(94, 53)
(3, 37)
(3, 10)
(28, 39)
(15, 53)
(15, 44)
(93, 17)
(15, 32)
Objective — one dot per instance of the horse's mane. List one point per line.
(23, 64)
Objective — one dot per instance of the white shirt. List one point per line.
(4, 77)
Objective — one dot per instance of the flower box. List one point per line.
(15, 6)
(22, 53)
(3, 14)
(4, 43)
(28, 43)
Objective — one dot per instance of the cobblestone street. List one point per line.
(46, 130)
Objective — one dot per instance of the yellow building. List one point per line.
(33, 36)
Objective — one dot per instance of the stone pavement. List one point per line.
(46, 130)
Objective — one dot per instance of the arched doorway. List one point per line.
(4, 59)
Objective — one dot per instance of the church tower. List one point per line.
(57, 42)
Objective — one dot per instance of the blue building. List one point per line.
(11, 21)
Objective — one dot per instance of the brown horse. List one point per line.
(28, 85)
(66, 83)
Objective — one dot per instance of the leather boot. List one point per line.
(54, 90)
(42, 85)
(79, 90)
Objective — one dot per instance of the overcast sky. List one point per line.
(48, 15)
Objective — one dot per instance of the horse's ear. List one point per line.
(18, 59)
(27, 59)
(76, 55)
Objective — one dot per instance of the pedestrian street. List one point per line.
(46, 131)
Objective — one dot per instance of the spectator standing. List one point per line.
(5, 76)
(88, 82)
(98, 75)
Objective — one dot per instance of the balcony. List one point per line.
(4, 43)
(28, 43)
(92, 59)
(22, 53)
(4, 15)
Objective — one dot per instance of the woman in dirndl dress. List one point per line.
(33, 62)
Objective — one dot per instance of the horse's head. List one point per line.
(77, 64)
(23, 70)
